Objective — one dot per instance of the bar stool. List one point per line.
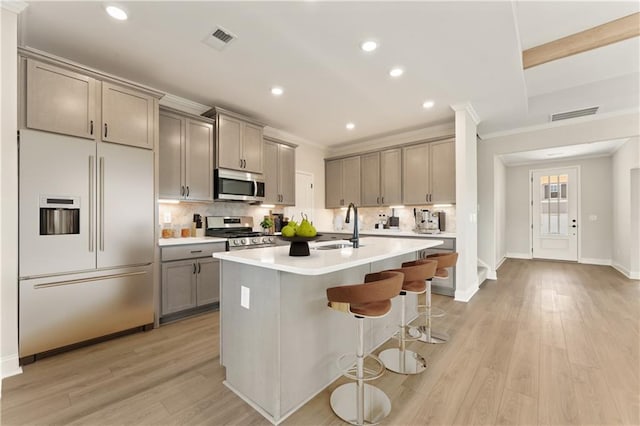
(359, 403)
(400, 359)
(427, 334)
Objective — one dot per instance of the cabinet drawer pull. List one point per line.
(196, 251)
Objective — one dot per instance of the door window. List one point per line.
(554, 207)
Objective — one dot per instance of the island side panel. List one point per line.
(312, 334)
(250, 337)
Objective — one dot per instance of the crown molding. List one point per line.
(466, 106)
(554, 124)
(14, 6)
(184, 105)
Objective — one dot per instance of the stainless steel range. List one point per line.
(238, 230)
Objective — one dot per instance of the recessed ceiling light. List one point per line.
(369, 46)
(428, 104)
(396, 72)
(116, 13)
(277, 91)
(350, 126)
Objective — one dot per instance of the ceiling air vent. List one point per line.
(573, 114)
(219, 38)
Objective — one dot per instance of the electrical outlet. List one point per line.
(245, 295)
(593, 217)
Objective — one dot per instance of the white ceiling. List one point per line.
(594, 149)
(452, 52)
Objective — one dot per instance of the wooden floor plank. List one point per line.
(547, 343)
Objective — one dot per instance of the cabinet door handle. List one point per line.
(194, 268)
(199, 267)
(426, 197)
(106, 130)
(382, 200)
(182, 190)
(378, 200)
(187, 190)
(91, 127)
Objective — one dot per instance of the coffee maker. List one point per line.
(429, 222)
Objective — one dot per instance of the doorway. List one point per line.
(554, 213)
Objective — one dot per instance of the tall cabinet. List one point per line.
(186, 155)
(279, 172)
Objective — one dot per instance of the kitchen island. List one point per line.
(279, 340)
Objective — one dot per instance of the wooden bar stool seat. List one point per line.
(400, 359)
(359, 403)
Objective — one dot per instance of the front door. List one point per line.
(554, 213)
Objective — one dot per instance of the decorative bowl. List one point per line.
(299, 245)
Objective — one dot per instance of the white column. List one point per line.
(9, 11)
(466, 202)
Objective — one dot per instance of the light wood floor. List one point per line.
(548, 343)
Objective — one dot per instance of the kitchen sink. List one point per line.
(335, 246)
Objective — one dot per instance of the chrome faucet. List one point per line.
(355, 238)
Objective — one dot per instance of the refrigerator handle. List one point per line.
(91, 201)
(101, 204)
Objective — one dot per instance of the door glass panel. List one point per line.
(554, 210)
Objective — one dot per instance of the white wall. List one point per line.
(570, 132)
(595, 199)
(9, 192)
(624, 242)
(635, 224)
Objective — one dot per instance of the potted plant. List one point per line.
(267, 225)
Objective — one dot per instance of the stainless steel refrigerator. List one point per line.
(85, 240)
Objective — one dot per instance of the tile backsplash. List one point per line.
(182, 213)
(368, 216)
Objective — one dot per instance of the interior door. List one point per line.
(554, 213)
(125, 206)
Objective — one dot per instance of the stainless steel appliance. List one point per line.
(237, 186)
(86, 240)
(238, 230)
(429, 222)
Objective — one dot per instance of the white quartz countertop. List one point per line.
(393, 233)
(165, 242)
(321, 262)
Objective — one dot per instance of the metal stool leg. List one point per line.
(401, 360)
(360, 403)
(427, 335)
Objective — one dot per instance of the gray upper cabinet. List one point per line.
(381, 178)
(391, 177)
(443, 172)
(279, 173)
(370, 164)
(127, 116)
(239, 144)
(429, 173)
(186, 157)
(60, 101)
(342, 182)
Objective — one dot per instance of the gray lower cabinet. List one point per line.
(193, 280)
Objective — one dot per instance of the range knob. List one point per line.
(269, 239)
(255, 240)
(243, 241)
(235, 242)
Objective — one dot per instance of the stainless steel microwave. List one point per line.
(237, 186)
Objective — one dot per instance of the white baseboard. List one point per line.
(518, 255)
(492, 275)
(590, 261)
(501, 262)
(632, 275)
(10, 366)
(465, 296)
